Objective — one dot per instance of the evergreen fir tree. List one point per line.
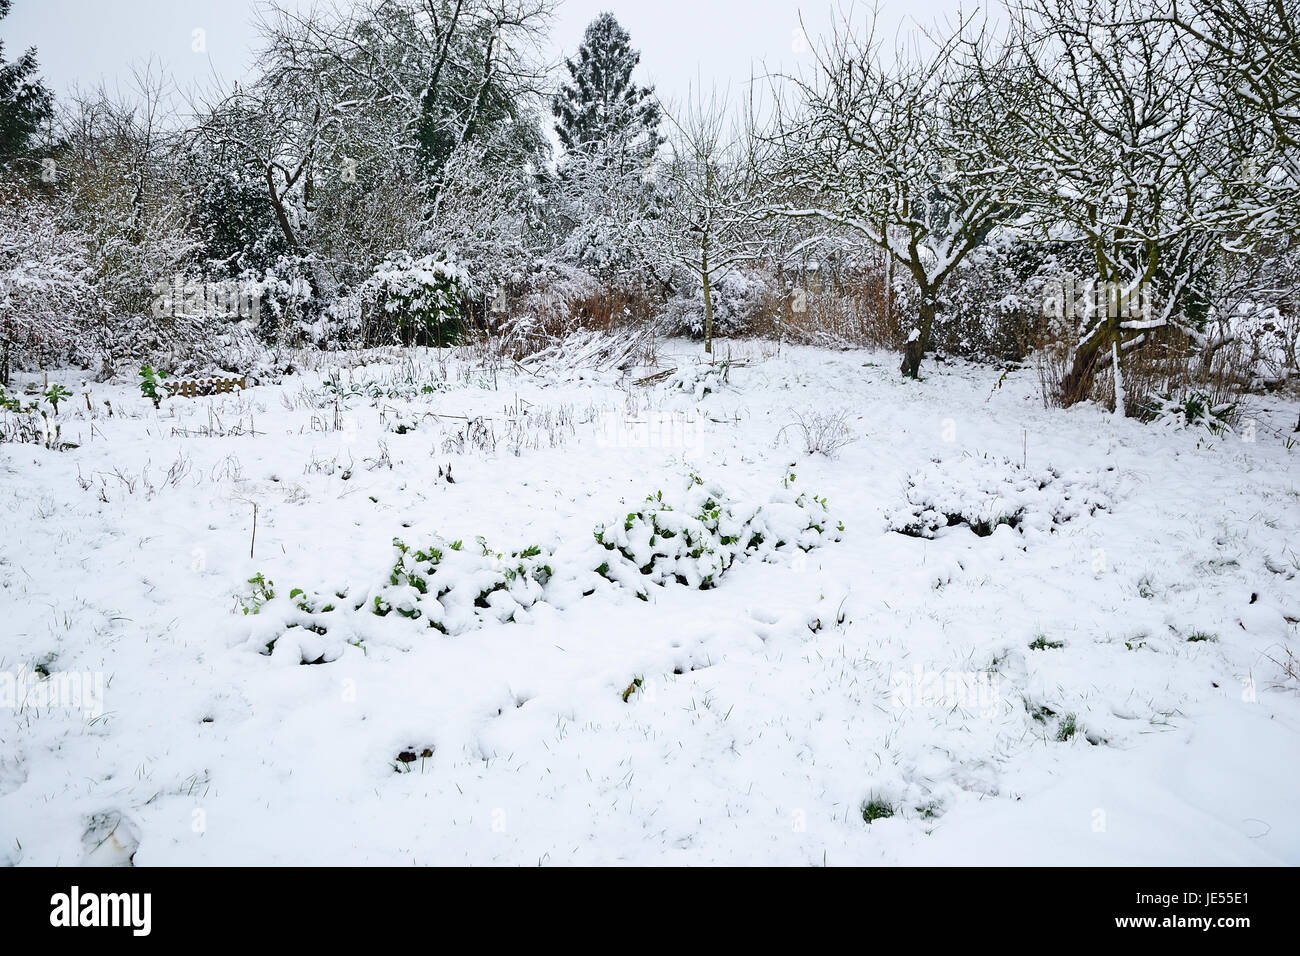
(601, 108)
(24, 102)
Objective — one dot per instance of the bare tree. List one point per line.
(712, 198)
(120, 183)
(1120, 142)
(46, 278)
(907, 155)
(1248, 51)
(381, 81)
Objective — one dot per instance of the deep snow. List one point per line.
(884, 669)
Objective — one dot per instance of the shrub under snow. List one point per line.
(423, 298)
(737, 296)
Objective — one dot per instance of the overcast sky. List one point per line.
(81, 42)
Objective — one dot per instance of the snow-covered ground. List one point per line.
(1099, 678)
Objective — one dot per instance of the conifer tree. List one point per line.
(600, 109)
(24, 101)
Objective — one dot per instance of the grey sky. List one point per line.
(84, 42)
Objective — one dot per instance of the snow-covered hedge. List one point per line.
(984, 493)
(286, 307)
(993, 302)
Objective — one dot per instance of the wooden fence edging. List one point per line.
(201, 387)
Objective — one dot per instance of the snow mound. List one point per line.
(985, 493)
(698, 380)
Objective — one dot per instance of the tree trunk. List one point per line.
(1076, 386)
(708, 305)
(4, 361)
(1077, 383)
(889, 292)
(917, 344)
(277, 206)
(1121, 402)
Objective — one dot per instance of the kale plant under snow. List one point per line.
(984, 493)
(690, 537)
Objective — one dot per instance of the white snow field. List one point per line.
(1099, 676)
